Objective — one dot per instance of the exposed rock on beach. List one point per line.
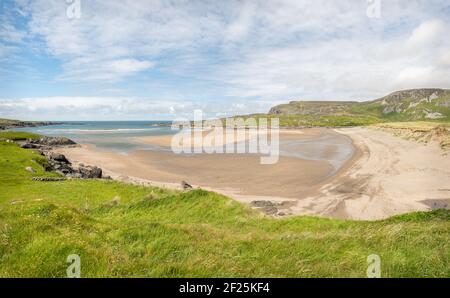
(57, 162)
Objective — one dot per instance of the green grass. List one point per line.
(17, 135)
(369, 118)
(406, 105)
(122, 230)
(293, 120)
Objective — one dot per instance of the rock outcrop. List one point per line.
(53, 141)
(89, 172)
(57, 162)
(277, 209)
(46, 144)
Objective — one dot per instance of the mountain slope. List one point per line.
(415, 104)
(406, 105)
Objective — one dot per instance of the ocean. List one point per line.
(112, 135)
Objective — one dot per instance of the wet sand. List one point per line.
(393, 176)
(240, 176)
(352, 173)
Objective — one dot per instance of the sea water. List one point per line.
(114, 135)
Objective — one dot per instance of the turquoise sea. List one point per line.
(113, 135)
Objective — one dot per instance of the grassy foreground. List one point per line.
(122, 230)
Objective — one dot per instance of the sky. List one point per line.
(155, 60)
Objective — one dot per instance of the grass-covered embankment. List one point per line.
(420, 131)
(122, 230)
(17, 136)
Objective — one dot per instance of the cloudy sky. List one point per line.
(128, 59)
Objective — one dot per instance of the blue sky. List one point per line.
(162, 59)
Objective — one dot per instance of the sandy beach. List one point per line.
(241, 176)
(384, 175)
(392, 176)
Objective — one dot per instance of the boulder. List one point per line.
(30, 146)
(74, 175)
(88, 172)
(58, 157)
(64, 170)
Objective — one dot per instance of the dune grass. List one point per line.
(415, 125)
(122, 230)
(420, 131)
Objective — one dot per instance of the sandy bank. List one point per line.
(393, 176)
(220, 137)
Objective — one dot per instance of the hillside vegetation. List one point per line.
(8, 123)
(122, 230)
(406, 105)
(419, 131)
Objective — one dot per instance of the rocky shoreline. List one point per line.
(8, 124)
(58, 163)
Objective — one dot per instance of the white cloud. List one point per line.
(103, 70)
(257, 52)
(123, 35)
(345, 68)
(116, 108)
(9, 33)
(427, 32)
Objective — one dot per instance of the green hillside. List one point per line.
(8, 123)
(407, 105)
(122, 230)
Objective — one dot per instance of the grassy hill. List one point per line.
(407, 105)
(8, 123)
(122, 230)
